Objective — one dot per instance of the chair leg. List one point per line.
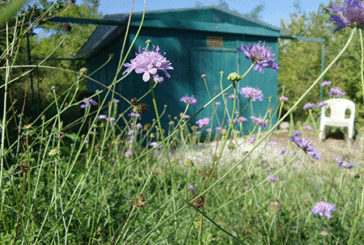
(322, 132)
(350, 132)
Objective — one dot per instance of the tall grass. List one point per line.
(140, 184)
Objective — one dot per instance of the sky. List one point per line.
(273, 11)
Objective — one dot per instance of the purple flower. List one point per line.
(191, 187)
(336, 92)
(158, 79)
(88, 102)
(153, 144)
(129, 153)
(202, 160)
(283, 98)
(281, 152)
(149, 63)
(134, 115)
(323, 208)
(130, 132)
(203, 122)
(350, 14)
(342, 164)
(139, 125)
(272, 179)
(321, 104)
(305, 145)
(231, 96)
(260, 55)
(251, 140)
(326, 83)
(242, 119)
(259, 121)
(185, 171)
(218, 128)
(217, 103)
(186, 116)
(101, 117)
(308, 127)
(116, 101)
(110, 119)
(86, 141)
(246, 187)
(189, 100)
(198, 132)
(252, 93)
(209, 130)
(273, 143)
(308, 106)
(296, 133)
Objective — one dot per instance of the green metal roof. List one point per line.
(208, 19)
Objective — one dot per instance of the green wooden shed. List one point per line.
(197, 41)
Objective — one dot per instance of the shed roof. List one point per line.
(209, 19)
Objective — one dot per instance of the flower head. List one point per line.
(336, 92)
(234, 120)
(134, 115)
(308, 127)
(231, 96)
(281, 152)
(189, 100)
(308, 106)
(242, 119)
(272, 179)
(260, 55)
(283, 98)
(101, 117)
(350, 14)
(259, 121)
(305, 145)
(323, 208)
(326, 83)
(149, 63)
(252, 93)
(153, 144)
(203, 122)
(191, 187)
(129, 153)
(88, 102)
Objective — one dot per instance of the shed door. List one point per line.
(211, 61)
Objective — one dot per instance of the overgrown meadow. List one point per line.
(116, 181)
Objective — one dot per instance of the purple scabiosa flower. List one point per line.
(209, 130)
(272, 179)
(101, 117)
(129, 153)
(185, 171)
(260, 55)
(323, 208)
(217, 103)
(86, 141)
(294, 132)
(242, 119)
(116, 101)
(283, 98)
(281, 152)
(149, 63)
(110, 119)
(231, 96)
(134, 115)
(198, 132)
(308, 106)
(246, 187)
(130, 132)
(139, 126)
(251, 140)
(158, 79)
(305, 145)
(153, 144)
(252, 93)
(259, 121)
(170, 153)
(203, 122)
(186, 116)
(191, 187)
(218, 128)
(88, 102)
(234, 120)
(340, 162)
(350, 14)
(321, 104)
(189, 100)
(336, 92)
(326, 83)
(308, 127)
(273, 143)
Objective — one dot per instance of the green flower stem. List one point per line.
(362, 60)
(288, 113)
(190, 226)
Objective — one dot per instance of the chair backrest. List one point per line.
(338, 108)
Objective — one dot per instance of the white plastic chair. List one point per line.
(337, 118)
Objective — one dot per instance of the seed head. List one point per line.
(134, 101)
(198, 201)
(140, 201)
(142, 108)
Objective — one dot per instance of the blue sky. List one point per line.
(273, 11)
